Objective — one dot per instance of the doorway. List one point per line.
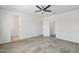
(15, 28)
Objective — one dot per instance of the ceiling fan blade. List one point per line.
(48, 10)
(38, 11)
(47, 7)
(38, 7)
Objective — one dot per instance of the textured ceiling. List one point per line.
(29, 9)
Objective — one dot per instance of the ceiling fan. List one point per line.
(43, 9)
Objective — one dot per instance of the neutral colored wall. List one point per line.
(66, 25)
(5, 33)
(29, 25)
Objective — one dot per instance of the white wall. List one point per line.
(5, 34)
(66, 25)
(29, 25)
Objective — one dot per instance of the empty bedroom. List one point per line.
(39, 28)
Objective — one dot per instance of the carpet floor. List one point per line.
(40, 44)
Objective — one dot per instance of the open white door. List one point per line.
(15, 28)
(46, 27)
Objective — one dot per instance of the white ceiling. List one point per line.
(29, 9)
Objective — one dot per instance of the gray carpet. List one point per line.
(40, 44)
